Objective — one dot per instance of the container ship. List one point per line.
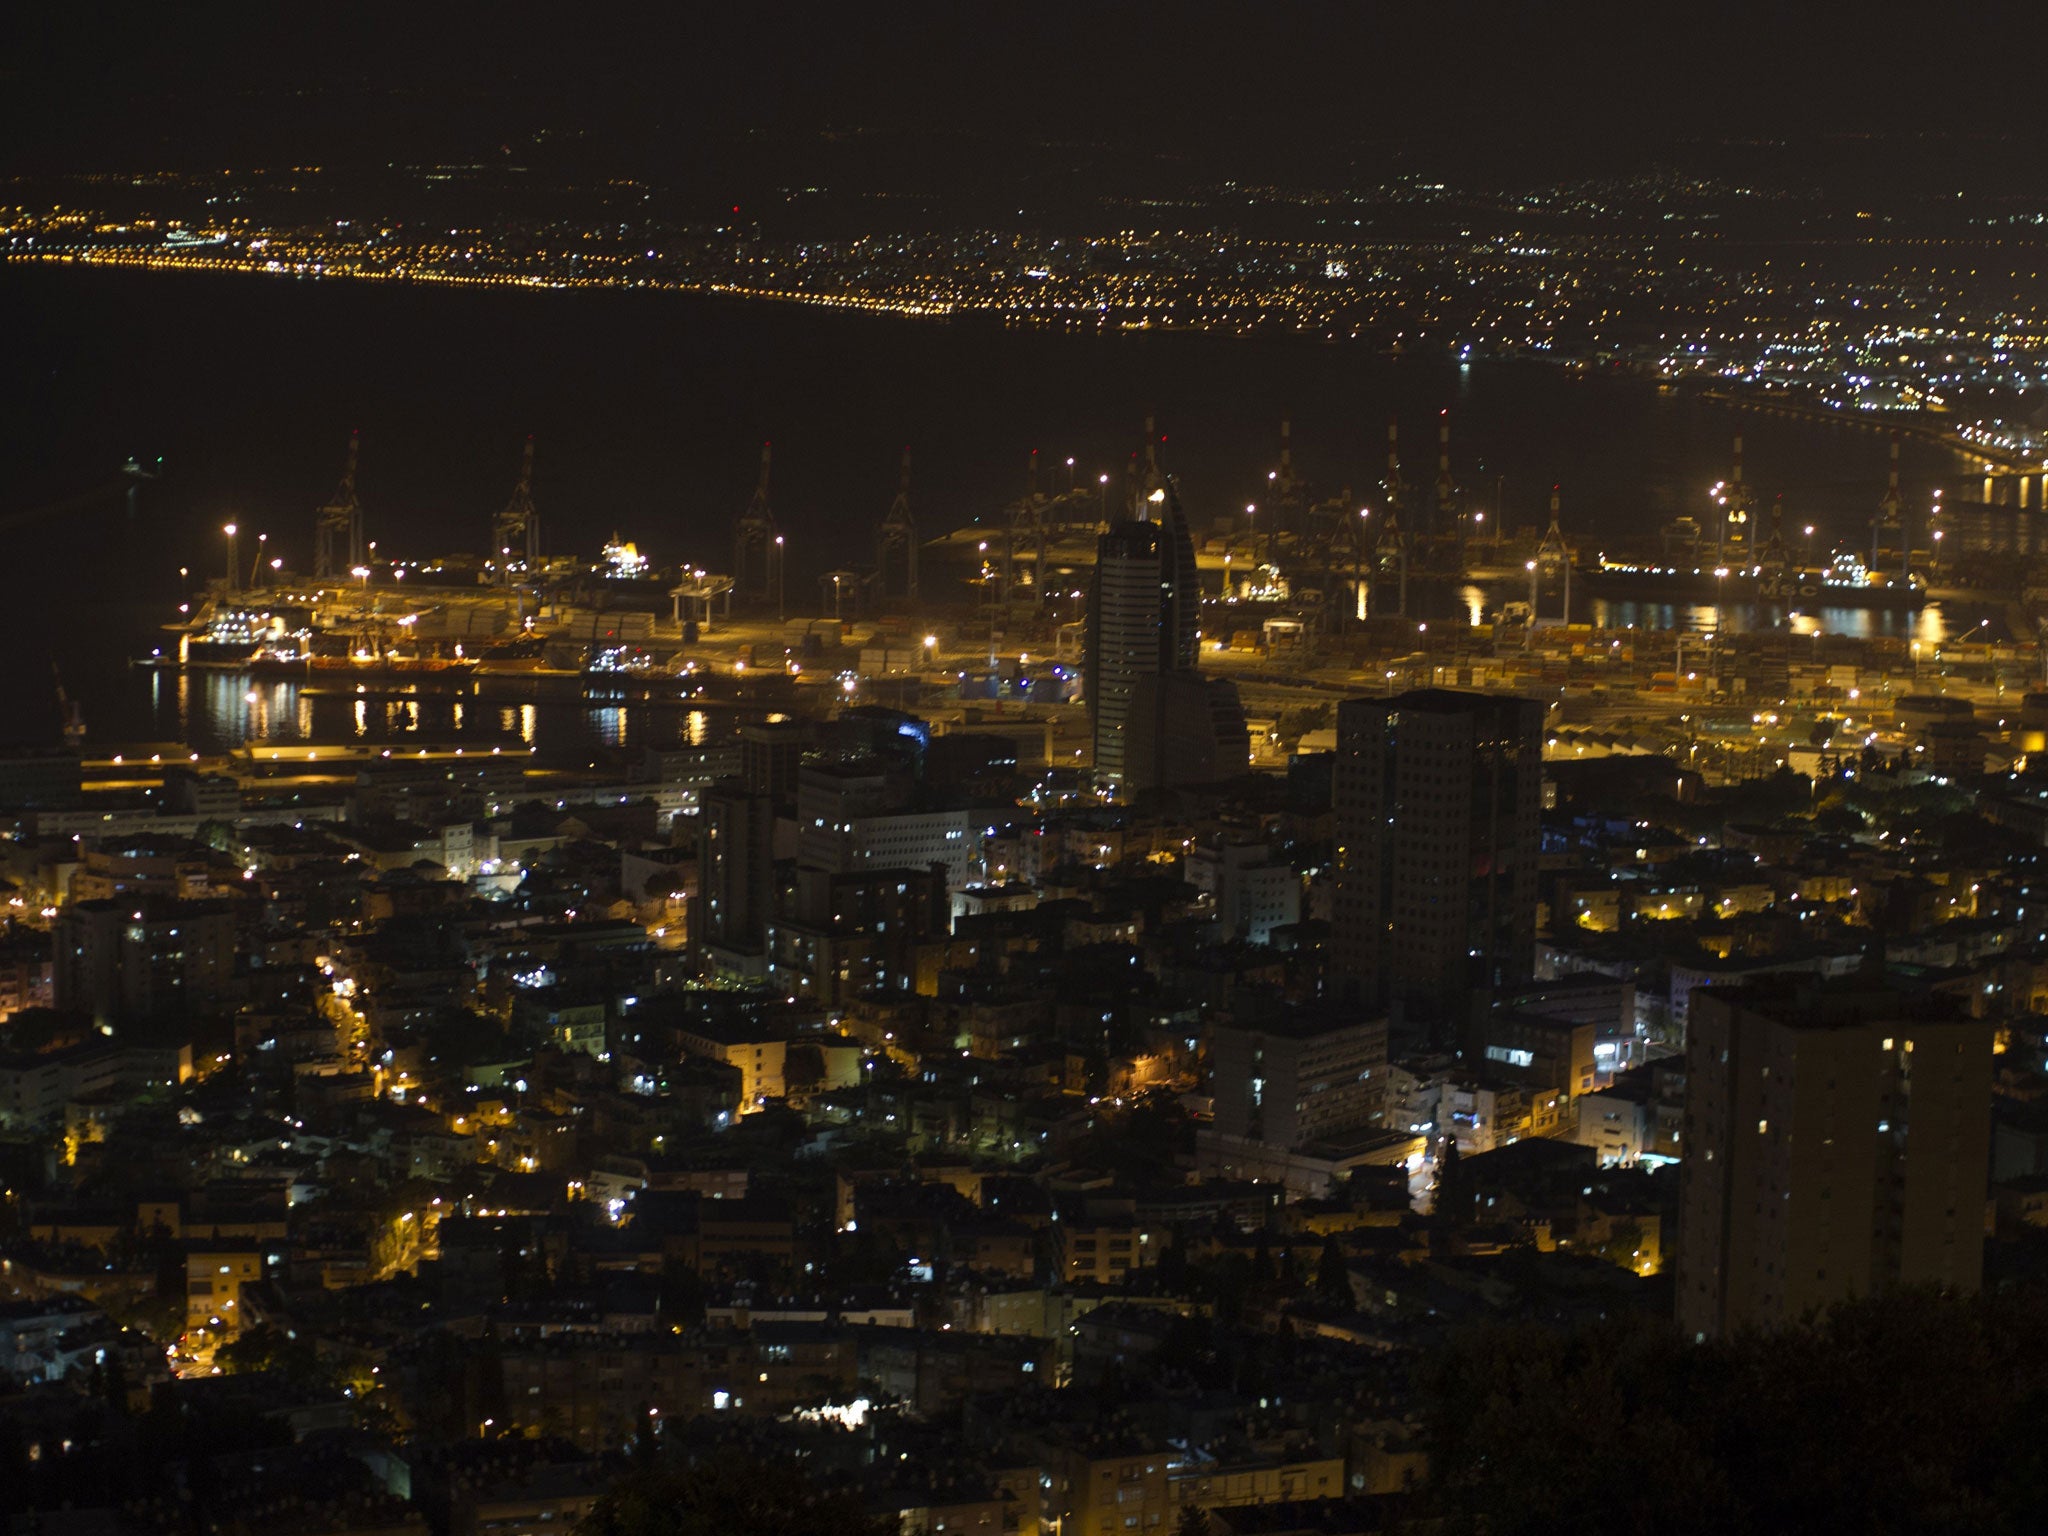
(1844, 582)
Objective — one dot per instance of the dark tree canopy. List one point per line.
(1906, 1413)
(730, 1495)
(1333, 1274)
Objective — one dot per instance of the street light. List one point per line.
(234, 553)
(1251, 528)
(1809, 546)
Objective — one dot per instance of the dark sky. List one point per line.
(1245, 85)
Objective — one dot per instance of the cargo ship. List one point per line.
(1844, 582)
(289, 641)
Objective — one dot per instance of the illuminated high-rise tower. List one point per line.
(1835, 1141)
(1438, 799)
(1143, 645)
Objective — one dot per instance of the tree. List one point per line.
(1454, 1196)
(1623, 1243)
(1333, 1274)
(271, 1349)
(803, 1070)
(1194, 1521)
(1263, 1272)
(732, 1495)
(1172, 1270)
(219, 836)
(683, 1293)
(1904, 1412)
(1293, 724)
(646, 1444)
(114, 1383)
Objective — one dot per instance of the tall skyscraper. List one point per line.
(1835, 1142)
(1438, 797)
(735, 876)
(1141, 623)
(1144, 619)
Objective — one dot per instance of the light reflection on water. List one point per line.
(608, 725)
(217, 711)
(1929, 624)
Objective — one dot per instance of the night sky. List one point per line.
(1244, 88)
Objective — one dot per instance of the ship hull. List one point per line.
(1795, 590)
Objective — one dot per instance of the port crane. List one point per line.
(515, 532)
(338, 526)
(137, 475)
(71, 719)
(898, 534)
(758, 579)
(1390, 549)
